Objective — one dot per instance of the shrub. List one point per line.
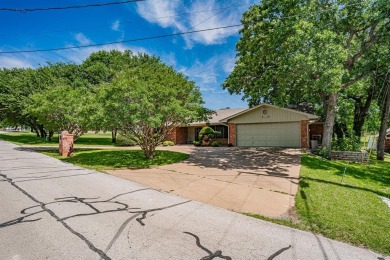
(207, 133)
(346, 144)
(197, 143)
(322, 152)
(230, 145)
(168, 143)
(215, 144)
(123, 141)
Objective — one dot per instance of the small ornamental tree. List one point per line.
(147, 99)
(207, 134)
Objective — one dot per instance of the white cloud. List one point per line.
(82, 39)
(214, 19)
(169, 58)
(115, 25)
(202, 14)
(228, 64)
(12, 62)
(204, 73)
(165, 11)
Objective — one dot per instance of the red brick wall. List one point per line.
(387, 143)
(179, 135)
(304, 134)
(232, 133)
(316, 129)
(66, 144)
(172, 136)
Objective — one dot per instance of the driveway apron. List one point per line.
(251, 180)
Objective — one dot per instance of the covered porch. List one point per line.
(189, 134)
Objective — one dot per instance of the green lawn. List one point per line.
(349, 211)
(102, 160)
(23, 138)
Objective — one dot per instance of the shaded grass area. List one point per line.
(102, 160)
(349, 210)
(23, 138)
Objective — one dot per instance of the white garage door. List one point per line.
(269, 134)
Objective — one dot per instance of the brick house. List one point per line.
(263, 125)
(190, 133)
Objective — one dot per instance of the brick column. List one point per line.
(304, 134)
(66, 144)
(232, 133)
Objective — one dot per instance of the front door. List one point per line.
(197, 130)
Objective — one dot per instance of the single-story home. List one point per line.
(263, 125)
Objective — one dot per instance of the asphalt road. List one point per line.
(53, 210)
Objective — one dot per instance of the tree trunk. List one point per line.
(340, 129)
(42, 131)
(384, 122)
(50, 136)
(149, 151)
(330, 104)
(37, 132)
(34, 129)
(360, 113)
(113, 135)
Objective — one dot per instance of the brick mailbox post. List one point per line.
(66, 144)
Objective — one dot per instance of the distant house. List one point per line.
(264, 125)
(372, 141)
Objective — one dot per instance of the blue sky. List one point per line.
(206, 58)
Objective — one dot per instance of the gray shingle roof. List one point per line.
(220, 114)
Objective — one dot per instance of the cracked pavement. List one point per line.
(53, 210)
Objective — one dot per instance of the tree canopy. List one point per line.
(309, 51)
(148, 99)
(63, 108)
(137, 96)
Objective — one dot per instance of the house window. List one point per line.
(223, 129)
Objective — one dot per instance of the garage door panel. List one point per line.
(272, 134)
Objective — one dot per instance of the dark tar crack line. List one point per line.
(138, 213)
(141, 218)
(211, 255)
(278, 252)
(144, 212)
(86, 201)
(51, 213)
(20, 220)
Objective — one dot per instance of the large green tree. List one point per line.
(294, 51)
(63, 108)
(101, 68)
(16, 85)
(148, 99)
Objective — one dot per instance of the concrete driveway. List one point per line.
(253, 180)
